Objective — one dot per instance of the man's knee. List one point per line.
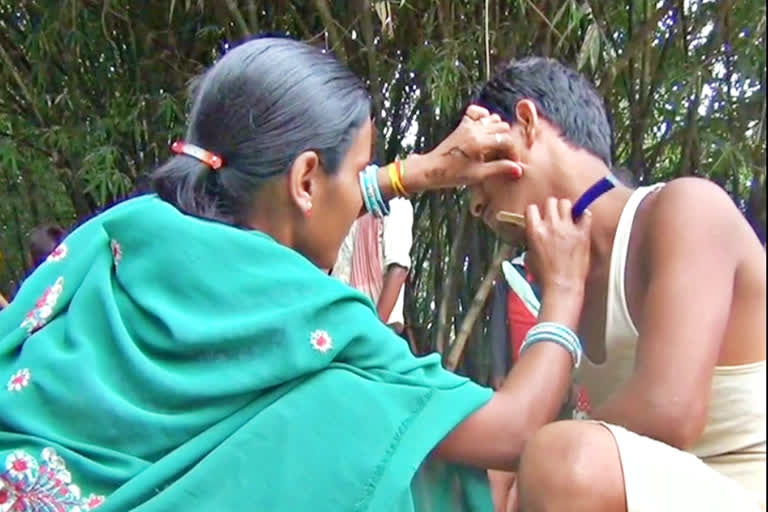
(571, 462)
(556, 454)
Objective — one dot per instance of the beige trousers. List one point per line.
(660, 478)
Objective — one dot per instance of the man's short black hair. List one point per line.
(562, 96)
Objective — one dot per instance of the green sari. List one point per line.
(158, 361)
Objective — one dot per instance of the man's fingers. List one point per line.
(565, 207)
(476, 112)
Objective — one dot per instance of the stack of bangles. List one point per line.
(369, 187)
(554, 333)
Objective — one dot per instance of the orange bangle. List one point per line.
(402, 172)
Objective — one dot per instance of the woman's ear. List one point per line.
(302, 180)
(528, 117)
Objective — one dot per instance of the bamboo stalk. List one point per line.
(450, 289)
(337, 44)
(478, 302)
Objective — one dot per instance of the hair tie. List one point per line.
(183, 148)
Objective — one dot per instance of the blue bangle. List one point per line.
(383, 205)
(554, 333)
(369, 189)
(364, 192)
(555, 329)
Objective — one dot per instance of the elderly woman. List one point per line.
(185, 351)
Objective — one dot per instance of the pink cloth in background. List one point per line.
(366, 274)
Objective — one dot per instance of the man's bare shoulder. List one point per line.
(697, 206)
(691, 215)
(686, 196)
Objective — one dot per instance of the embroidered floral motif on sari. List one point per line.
(43, 309)
(31, 485)
(58, 254)
(19, 380)
(117, 252)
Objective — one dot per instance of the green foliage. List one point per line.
(93, 92)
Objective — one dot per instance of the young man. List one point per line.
(375, 259)
(673, 324)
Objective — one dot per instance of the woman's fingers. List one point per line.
(558, 255)
(476, 112)
(495, 126)
(552, 210)
(512, 500)
(501, 483)
(584, 223)
(534, 227)
(496, 142)
(533, 221)
(492, 119)
(498, 167)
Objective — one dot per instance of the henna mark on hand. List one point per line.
(456, 151)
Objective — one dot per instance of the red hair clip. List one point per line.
(182, 148)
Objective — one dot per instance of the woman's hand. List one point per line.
(478, 148)
(558, 255)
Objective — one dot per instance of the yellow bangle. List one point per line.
(394, 178)
(394, 172)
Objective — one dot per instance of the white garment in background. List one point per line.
(396, 239)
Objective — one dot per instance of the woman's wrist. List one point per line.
(562, 305)
(416, 173)
(413, 172)
(385, 184)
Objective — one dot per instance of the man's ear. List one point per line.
(302, 179)
(527, 115)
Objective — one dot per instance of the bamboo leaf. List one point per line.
(590, 48)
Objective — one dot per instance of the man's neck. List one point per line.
(581, 172)
(606, 212)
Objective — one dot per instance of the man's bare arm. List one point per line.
(692, 260)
